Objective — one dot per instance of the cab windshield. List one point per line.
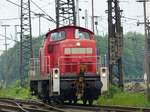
(56, 36)
(81, 34)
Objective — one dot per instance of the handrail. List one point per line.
(34, 64)
(72, 63)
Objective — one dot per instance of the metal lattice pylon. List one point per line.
(115, 41)
(26, 51)
(65, 13)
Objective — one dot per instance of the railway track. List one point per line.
(15, 105)
(87, 108)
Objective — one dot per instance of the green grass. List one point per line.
(15, 92)
(113, 97)
(125, 99)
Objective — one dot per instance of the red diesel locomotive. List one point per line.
(67, 66)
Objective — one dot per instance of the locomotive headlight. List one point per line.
(56, 76)
(78, 44)
(56, 73)
(104, 75)
(103, 72)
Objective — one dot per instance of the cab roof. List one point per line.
(67, 27)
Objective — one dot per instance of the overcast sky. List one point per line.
(132, 11)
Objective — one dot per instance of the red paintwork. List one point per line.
(57, 54)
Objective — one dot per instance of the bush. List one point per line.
(15, 91)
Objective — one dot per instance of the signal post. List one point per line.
(115, 42)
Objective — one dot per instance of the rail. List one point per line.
(16, 105)
(96, 108)
(13, 105)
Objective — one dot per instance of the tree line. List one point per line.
(133, 53)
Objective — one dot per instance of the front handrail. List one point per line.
(98, 58)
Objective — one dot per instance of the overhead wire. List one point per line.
(42, 10)
(9, 38)
(46, 4)
(130, 18)
(9, 19)
(49, 18)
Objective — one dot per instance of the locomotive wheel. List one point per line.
(90, 101)
(70, 101)
(84, 101)
(75, 101)
(62, 101)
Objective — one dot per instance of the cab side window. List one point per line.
(54, 36)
